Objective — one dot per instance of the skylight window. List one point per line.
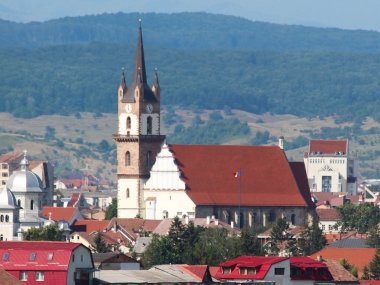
(50, 256)
(5, 256)
(33, 256)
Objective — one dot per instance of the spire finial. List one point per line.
(140, 22)
(24, 162)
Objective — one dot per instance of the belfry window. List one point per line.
(128, 159)
(2, 218)
(127, 192)
(148, 158)
(149, 126)
(32, 204)
(128, 123)
(19, 202)
(7, 218)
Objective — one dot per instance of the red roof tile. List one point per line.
(328, 214)
(356, 256)
(58, 212)
(197, 271)
(328, 146)
(74, 199)
(89, 226)
(8, 279)
(267, 178)
(9, 157)
(338, 272)
(133, 225)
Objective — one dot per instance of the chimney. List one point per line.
(319, 258)
(232, 224)
(208, 220)
(216, 222)
(186, 220)
(281, 142)
(213, 217)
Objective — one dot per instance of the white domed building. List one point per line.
(21, 203)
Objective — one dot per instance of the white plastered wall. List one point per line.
(78, 263)
(155, 124)
(127, 207)
(134, 130)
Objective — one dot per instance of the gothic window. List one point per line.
(7, 219)
(272, 217)
(128, 159)
(127, 192)
(128, 123)
(148, 158)
(32, 204)
(149, 125)
(19, 202)
(2, 218)
(121, 93)
(293, 219)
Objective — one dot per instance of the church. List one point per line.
(247, 186)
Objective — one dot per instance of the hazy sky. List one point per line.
(346, 14)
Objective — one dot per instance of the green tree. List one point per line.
(159, 251)
(215, 116)
(48, 233)
(373, 239)
(311, 240)
(111, 211)
(366, 274)
(374, 266)
(176, 235)
(197, 120)
(250, 244)
(278, 236)
(100, 245)
(349, 267)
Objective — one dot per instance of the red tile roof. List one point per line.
(8, 279)
(133, 225)
(19, 254)
(89, 226)
(74, 199)
(370, 282)
(58, 212)
(197, 271)
(357, 256)
(338, 272)
(328, 214)
(267, 178)
(328, 146)
(9, 157)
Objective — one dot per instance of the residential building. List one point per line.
(47, 262)
(327, 219)
(115, 261)
(157, 180)
(329, 168)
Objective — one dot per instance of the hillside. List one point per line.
(84, 78)
(189, 31)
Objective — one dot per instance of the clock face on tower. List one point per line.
(128, 108)
(149, 108)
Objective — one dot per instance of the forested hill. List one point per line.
(84, 77)
(186, 31)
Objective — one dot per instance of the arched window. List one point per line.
(127, 192)
(32, 204)
(1, 237)
(293, 219)
(19, 202)
(272, 217)
(149, 125)
(165, 214)
(128, 159)
(128, 123)
(7, 219)
(2, 218)
(148, 158)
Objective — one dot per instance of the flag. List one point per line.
(236, 174)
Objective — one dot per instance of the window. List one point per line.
(128, 159)
(148, 158)
(323, 227)
(295, 271)
(251, 271)
(121, 93)
(149, 125)
(81, 258)
(127, 192)
(72, 237)
(4, 166)
(24, 275)
(4, 182)
(309, 271)
(165, 214)
(5, 256)
(2, 218)
(128, 123)
(137, 93)
(326, 183)
(4, 174)
(32, 204)
(179, 214)
(1, 237)
(226, 270)
(243, 271)
(293, 219)
(50, 256)
(32, 256)
(73, 258)
(279, 271)
(19, 202)
(78, 237)
(272, 217)
(330, 227)
(39, 276)
(7, 219)
(322, 271)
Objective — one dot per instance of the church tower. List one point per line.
(138, 139)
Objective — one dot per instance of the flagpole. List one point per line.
(239, 219)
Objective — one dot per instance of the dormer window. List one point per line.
(247, 271)
(226, 270)
(50, 256)
(32, 256)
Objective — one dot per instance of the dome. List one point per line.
(20, 230)
(7, 199)
(25, 180)
(48, 223)
(63, 225)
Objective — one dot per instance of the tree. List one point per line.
(311, 240)
(100, 245)
(278, 236)
(103, 146)
(374, 266)
(373, 239)
(366, 274)
(159, 251)
(177, 237)
(215, 116)
(48, 233)
(111, 211)
(250, 244)
(349, 267)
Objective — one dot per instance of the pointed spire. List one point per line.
(24, 162)
(156, 83)
(139, 60)
(122, 80)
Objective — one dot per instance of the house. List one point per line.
(329, 168)
(115, 261)
(158, 180)
(356, 256)
(47, 262)
(58, 213)
(327, 219)
(282, 270)
(200, 273)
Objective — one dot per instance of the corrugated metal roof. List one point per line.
(349, 243)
